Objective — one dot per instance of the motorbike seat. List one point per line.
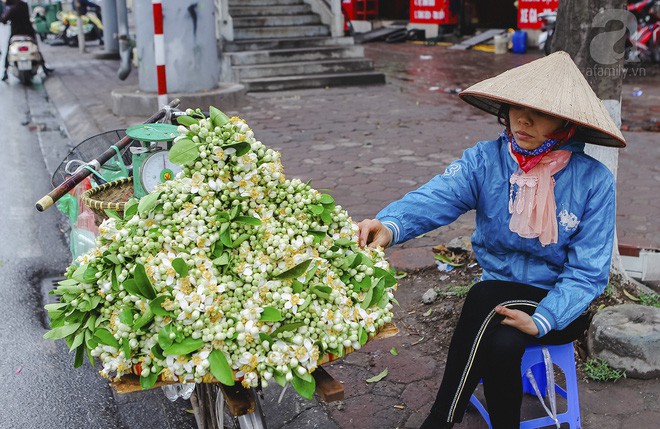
(21, 38)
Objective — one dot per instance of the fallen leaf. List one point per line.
(394, 351)
(428, 313)
(377, 378)
(630, 296)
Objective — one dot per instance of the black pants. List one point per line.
(483, 348)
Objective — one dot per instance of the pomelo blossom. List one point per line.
(229, 267)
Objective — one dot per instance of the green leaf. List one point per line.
(303, 387)
(78, 274)
(294, 272)
(363, 336)
(148, 202)
(130, 286)
(305, 303)
(113, 214)
(149, 381)
(184, 152)
(249, 220)
(265, 337)
(377, 378)
(234, 211)
(126, 348)
(187, 120)
(366, 302)
(297, 286)
(378, 289)
(316, 209)
(326, 199)
(220, 367)
(143, 282)
(326, 217)
(126, 317)
(217, 117)
(271, 314)
(144, 319)
(105, 337)
(80, 354)
(186, 346)
(322, 291)
(111, 258)
(310, 273)
(90, 275)
(62, 331)
(77, 340)
(287, 328)
(164, 339)
(156, 306)
(318, 235)
(279, 378)
(343, 242)
(222, 259)
(157, 350)
(241, 148)
(180, 266)
(390, 280)
(394, 351)
(225, 238)
(241, 238)
(130, 209)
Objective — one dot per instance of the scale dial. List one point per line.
(157, 168)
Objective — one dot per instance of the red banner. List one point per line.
(431, 12)
(529, 10)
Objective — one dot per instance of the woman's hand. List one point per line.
(518, 319)
(374, 233)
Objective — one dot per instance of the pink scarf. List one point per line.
(533, 210)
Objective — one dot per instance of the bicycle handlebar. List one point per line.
(47, 201)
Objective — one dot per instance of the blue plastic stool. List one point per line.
(562, 356)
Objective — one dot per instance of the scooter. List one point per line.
(24, 58)
(644, 44)
(66, 28)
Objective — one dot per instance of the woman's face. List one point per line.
(530, 127)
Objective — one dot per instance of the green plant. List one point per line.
(599, 370)
(650, 299)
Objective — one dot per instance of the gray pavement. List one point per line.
(370, 145)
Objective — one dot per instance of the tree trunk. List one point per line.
(593, 33)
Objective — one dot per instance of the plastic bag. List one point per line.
(181, 390)
(81, 220)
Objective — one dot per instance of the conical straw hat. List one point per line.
(553, 85)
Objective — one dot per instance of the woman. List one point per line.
(544, 232)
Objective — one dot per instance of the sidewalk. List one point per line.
(371, 145)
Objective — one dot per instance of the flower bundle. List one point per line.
(230, 271)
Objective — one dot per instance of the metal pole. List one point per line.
(81, 28)
(159, 51)
(110, 42)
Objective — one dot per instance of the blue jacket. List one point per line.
(575, 270)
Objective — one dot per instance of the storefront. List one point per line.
(471, 14)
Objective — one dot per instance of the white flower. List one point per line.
(291, 301)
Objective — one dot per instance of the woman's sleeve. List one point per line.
(439, 202)
(586, 271)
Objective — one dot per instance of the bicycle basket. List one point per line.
(90, 149)
(110, 196)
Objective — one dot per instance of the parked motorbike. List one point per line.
(643, 45)
(24, 58)
(66, 28)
